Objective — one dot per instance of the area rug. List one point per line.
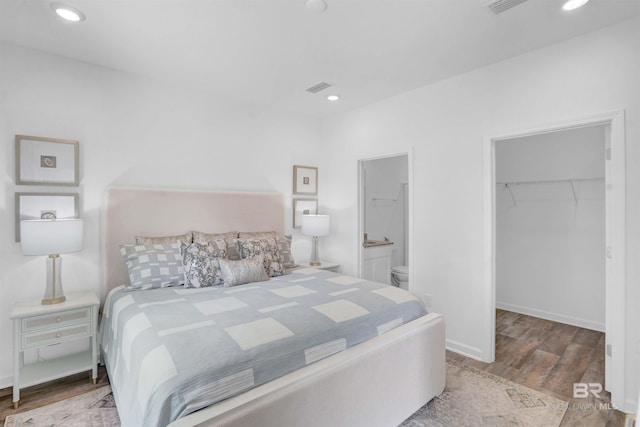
(471, 398)
(93, 409)
(476, 398)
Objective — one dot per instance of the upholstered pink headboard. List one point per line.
(145, 212)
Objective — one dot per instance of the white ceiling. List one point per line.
(269, 51)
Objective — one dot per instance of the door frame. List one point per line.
(615, 305)
(361, 205)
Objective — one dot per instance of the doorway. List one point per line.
(614, 253)
(384, 217)
(550, 226)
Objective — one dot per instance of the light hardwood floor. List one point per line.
(540, 354)
(51, 392)
(550, 357)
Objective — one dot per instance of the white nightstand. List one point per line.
(324, 266)
(36, 326)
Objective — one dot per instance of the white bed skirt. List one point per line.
(378, 383)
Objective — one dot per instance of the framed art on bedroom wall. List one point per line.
(303, 207)
(46, 161)
(305, 180)
(45, 206)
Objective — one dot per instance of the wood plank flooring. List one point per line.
(51, 392)
(550, 357)
(540, 354)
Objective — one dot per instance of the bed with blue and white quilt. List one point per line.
(172, 351)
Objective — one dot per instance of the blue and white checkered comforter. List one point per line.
(172, 351)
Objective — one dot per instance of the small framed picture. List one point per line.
(46, 161)
(303, 207)
(305, 180)
(45, 206)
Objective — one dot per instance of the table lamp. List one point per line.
(316, 226)
(51, 237)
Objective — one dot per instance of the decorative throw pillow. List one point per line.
(243, 271)
(200, 237)
(267, 247)
(147, 240)
(153, 266)
(232, 249)
(284, 247)
(201, 263)
(257, 234)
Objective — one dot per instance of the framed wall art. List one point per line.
(305, 180)
(303, 207)
(46, 161)
(45, 206)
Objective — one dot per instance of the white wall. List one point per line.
(384, 202)
(132, 132)
(550, 250)
(444, 124)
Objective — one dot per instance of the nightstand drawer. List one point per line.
(55, 336)
(56, 320)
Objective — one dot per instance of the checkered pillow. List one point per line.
(153, 266)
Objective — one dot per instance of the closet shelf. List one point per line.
(571, 182)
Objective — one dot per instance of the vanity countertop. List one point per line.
(372, 243)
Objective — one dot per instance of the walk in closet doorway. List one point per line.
(555, 231)
(550, 226)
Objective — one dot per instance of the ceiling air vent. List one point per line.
(499, 6)
(317, 88)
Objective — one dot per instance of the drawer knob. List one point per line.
(58, 319)
(57, 335)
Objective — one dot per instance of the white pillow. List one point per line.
(246, 270)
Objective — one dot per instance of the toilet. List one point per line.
(400, 276)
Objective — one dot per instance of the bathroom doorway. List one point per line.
(384, 235)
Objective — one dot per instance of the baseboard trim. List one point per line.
(569, 320)
(465, 350)
(6, 382)
(630, 407)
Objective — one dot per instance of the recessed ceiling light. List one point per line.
(574, 4)
(333, 97)
(317, 6)
(67, 12)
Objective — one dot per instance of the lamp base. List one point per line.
(54, 294)
(48, 301)
(315, 257)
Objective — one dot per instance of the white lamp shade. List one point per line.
(51, 236)
(315, 225)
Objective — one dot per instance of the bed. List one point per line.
(163, 347)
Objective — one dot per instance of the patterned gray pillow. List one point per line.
(200, 237)
(232, 248)
(284, 247)
(243, 271)
(201, 263)
(267, 247)
(148, 240)
(153, 266)
(257, 234)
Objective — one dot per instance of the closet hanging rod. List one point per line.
(550, 181)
